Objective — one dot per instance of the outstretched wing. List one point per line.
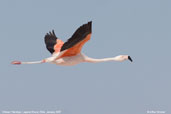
(74, 44)
(53, 44)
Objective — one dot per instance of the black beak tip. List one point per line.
(130, 58)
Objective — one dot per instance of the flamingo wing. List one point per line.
(74, 44)
(53, 44)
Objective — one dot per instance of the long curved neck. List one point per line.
(92, 60)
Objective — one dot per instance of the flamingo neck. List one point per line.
(92, 60)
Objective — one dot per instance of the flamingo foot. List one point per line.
(16, 62)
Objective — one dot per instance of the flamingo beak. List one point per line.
(130, 58)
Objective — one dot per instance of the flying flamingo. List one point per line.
(69, 53)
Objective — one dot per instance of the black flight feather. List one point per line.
(50, 41)
(79, 35)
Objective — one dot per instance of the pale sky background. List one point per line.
(140, 28)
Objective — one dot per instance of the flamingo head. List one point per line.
(123, 58)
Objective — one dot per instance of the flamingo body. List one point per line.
(70, 60)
